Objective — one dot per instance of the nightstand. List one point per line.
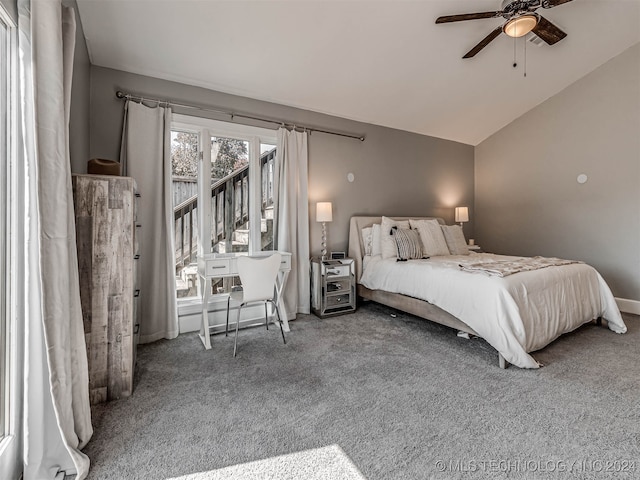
(333, 287)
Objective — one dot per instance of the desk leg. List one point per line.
(279, 289)
(204, 328)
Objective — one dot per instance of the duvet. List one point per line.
(516, 314)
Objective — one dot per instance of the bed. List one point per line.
(516, 314)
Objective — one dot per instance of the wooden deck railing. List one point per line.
(229, 210)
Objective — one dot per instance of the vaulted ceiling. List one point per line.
(380, 62)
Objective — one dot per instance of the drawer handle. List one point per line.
(136, 293)
(138, 195)
(138, 225)
(119, 338)
(136, 328)
(136, 256)
(218, 266)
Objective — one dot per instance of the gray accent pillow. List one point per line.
(455, 239)
(433, 242)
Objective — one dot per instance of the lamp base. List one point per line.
(324, 242)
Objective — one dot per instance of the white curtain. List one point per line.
(292, 216)
(146, 156)
(57, 415)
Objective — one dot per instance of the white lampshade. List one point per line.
(520, 26)
(462, 214)
(323, 212)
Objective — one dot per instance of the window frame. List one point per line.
(5, 144)
(207, 128)
(10, 253)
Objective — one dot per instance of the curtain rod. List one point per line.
(128, 96)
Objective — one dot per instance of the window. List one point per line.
(9, 385)
(226, 206)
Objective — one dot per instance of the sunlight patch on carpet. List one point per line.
(325, 463)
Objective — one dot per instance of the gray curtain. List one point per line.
(57, 415)
(146, 156)
(292, 216)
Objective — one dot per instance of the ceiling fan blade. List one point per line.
(485, 41)
(467, 16)
(548, 32)
(553, 3)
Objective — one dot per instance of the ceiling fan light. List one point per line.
(520, 26)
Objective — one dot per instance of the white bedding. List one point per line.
(516, 314)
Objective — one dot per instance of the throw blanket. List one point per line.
(502, 268)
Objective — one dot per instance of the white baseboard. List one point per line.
(628, 306)
(191, 322)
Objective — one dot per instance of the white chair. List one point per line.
(258, 277)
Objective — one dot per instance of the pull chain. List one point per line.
(525, 56)
(515, 63)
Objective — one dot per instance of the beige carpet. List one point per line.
(403, 398)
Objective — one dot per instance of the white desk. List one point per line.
(218, 265)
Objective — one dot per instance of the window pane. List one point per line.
(267, 163)
(184, 166)
(229, 195)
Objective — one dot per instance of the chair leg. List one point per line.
(279, 321)
(235, 342)
(266, 317)
(226, 329)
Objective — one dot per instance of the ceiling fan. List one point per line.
(521, 19)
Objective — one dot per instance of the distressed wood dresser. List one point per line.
(107, 239)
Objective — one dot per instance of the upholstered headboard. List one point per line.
(356, 245)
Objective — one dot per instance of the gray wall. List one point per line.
(80, 93)
(528, 201)
(395, 172)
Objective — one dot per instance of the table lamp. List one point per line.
(462, 215)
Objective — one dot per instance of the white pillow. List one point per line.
(376, 248)
(433, 242)
(367, 239)
(388, 243)
(455, 239)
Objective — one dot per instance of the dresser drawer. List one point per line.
(335, 300)
(338, 271)
(338, 286)
(217, 267)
